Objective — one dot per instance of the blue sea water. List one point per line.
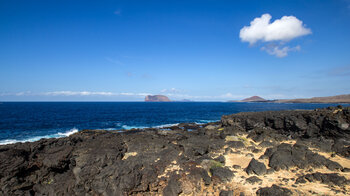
(31, 121)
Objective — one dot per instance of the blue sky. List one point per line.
(123, 50)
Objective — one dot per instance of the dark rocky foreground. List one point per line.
(263, 153)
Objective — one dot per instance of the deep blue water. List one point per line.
(30, 121)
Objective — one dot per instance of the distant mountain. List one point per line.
(330, 99)
(156, 98)
(253, 99)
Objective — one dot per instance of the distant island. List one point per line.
(251, 99)
(330, 99)
(157, 98)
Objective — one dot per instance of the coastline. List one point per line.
(243, 153)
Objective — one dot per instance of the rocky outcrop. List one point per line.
(156, 98)
(237, 155)
(328, 123)
(330, 179)
(273, 190)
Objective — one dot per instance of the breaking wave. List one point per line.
(36, 138)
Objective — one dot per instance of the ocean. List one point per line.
(31, 121)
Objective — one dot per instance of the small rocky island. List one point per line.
(156, 98)
(302, 152)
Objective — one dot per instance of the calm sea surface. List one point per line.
(31, 121)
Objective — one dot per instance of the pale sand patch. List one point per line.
(171, 168)
(129, 154)
(237, 159)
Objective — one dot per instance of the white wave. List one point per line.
(166, 125)
(9, 141)
(109, 129)
(36, 138)
(127, 127)
(206, 121)
(68, 133)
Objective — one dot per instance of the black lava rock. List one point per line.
(274, 190)
(325, 178)
(256, 167)
(253, 180)
(236, 144)
(223, 173)
(220, 159)
(226, 193)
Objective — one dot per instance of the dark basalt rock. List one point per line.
(236, 144)
(173, 188)
(223, 173)
(94, 162)
(331, 123)
(265, 144)
(325, 178)
(285, 156)
(253, 180)
(236, 167)
(256, 167)
(274, 190)
(226, 193)
(220, 159)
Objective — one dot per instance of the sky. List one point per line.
(205, 50)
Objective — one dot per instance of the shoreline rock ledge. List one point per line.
(255, 153)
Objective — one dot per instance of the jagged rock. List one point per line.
(220, 159)
(236, 167)
(325, 178)
(236, 144)
(329, 123)
(173, 188)
(137, 161)
(223, 173)
(253, 180)
(256, 167)
(273, 190)
(285, 156)
(265, 144)
(226, 193)
(270, 171)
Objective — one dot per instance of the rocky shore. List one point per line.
(263, 153)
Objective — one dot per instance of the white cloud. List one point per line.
(284, 29)
(275, 34)
(172, 90)
(135, 94)
(279, 51)
(78, 93)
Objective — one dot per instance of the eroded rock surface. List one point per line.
(264, 153)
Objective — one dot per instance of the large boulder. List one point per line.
(273, 190)
(256, 167)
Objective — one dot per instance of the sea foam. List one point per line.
(36, 138)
